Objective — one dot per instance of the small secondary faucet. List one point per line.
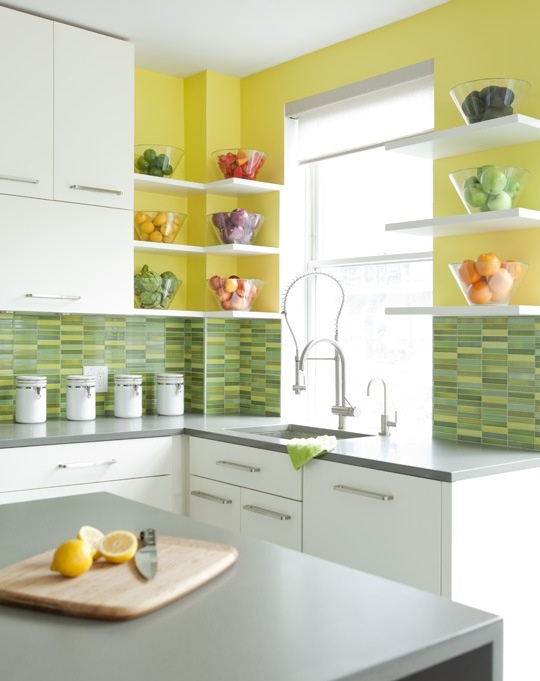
(385, 421)
(341, 408)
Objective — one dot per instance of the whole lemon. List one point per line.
(72, 558)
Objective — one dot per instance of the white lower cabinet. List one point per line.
(245, 489)
(139, 469)
(380, 522)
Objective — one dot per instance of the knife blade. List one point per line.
(146, 557)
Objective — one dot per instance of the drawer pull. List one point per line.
(12, 178)
(364, 493)
(87, 464)
(266, 511)
(238, 466)
(100, 190)
(54, 296)
(210, 497)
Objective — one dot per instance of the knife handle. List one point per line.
(148, 537)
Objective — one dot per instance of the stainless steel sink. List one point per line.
(288, 431)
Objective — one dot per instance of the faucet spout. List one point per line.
(340, 408)
(385, 421)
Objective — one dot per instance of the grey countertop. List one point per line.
(421, 456)
(276, 614)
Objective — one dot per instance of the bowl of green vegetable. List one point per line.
(158, 160)
(155, 291)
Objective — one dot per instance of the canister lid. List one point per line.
(39, 381)
(81, 379)
(170, 379)
(128, 379)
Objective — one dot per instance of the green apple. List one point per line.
(493, 180)
(475, 196)
(500, 201)
(513, 188)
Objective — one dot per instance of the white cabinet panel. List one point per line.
(93, 118)
(380, 522)
(215, 503)
(62, 249)
(274, 519)
(26, 114)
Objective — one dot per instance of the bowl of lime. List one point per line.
(158, 160)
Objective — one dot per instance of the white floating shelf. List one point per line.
(469, 311)
(495, 221)
(221, 249)
(240, 250)
(231, 187)
(242, 315)
(466, 139)
(147, 312)
(178, 249)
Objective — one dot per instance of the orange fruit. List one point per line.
(487, 264)
(479, 293)
(501, 284)
(467, 272)
(514, 267)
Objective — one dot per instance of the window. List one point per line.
(352, 189)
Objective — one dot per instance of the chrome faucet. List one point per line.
(341, 407)
(385, 421)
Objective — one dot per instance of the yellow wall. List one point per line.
(467, 39)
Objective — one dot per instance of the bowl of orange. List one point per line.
(488, 280)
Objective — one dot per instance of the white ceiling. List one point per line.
(235, 37)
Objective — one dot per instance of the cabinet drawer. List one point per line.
(385, 523)
(258, 469)
(274, 519)
(84, 462)
(215, 503)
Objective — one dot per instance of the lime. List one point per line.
(168, 170)
(161, 161)
(157, 172)
(142, 163)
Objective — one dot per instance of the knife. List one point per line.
(146, 556)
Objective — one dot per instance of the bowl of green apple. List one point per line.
(489, 187)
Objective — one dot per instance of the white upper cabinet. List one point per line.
(93, 118)
(66, 123)
(26, 114)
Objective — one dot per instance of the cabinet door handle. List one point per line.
(380, 496)
(13, 178)
(210, 497)
(238, 466)
(100, 190)
(55, 296)
(87, 464)
(266, 511)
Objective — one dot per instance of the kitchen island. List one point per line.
(275, 615)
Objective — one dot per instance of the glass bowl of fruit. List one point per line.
(235, 293)
(236, 227)
(489, 187)
(488, 98)
(488, 280)
(158, 226)
(158, 160)
(243, 164)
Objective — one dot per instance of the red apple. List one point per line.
(227, 304)
(242, 288)
(230, 284)
(223, 295)
(215, 282)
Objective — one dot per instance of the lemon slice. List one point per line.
(72, 558)
(118, 546)
(92, 536)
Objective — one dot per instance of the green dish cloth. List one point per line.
(301, 450)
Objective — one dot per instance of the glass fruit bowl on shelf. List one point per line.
(243, 164)
(236, 227)
(489, 187)
(488, 280)
(235, 293)
(158, 226)
(488, 98)
(155, 291)
(158, 160)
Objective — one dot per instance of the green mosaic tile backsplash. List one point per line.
(486, 380)
(229, 366)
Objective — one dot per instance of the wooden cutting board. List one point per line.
(116, 592)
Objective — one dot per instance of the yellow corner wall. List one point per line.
(467, 39)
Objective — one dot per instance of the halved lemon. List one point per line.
(92, 536)
(118, 546)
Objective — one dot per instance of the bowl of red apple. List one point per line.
(235, 293)
(243, 164)
(236, 227)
